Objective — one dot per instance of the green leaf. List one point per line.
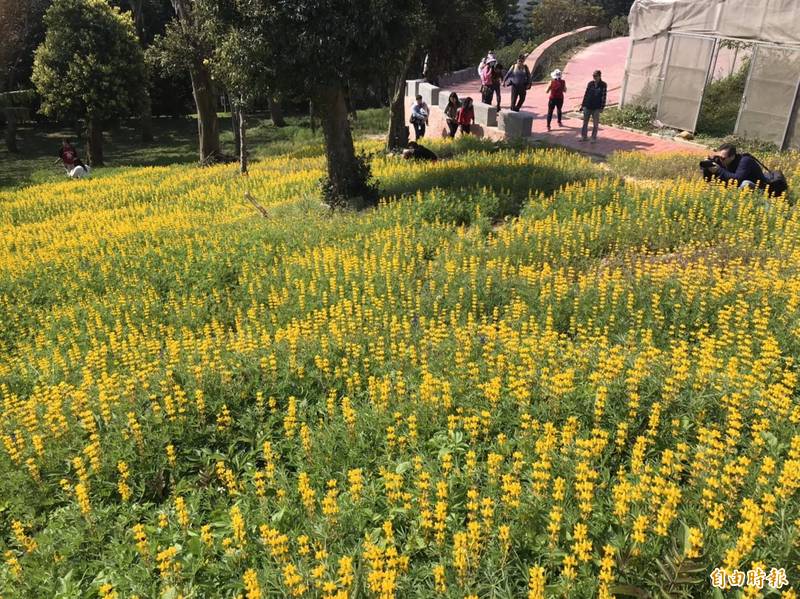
(629, 590)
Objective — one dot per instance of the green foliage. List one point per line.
(754, 146)
(507, 55)
(635, 116)
(721, 103)
(175, 143)
(459, 207)
(325, 335)
(362, 190)
(90, 63)
(552, 17)
(658, 166)
(619, 26)
(21, 98)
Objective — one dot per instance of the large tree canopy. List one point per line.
(319, 49)
(324, 48)
(90, 65)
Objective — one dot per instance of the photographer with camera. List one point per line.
(727, 165)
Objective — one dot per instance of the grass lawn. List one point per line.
(175, 143)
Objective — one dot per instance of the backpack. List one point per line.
(775, 180)
(486, 75)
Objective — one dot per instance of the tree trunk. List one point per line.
(94, 153)
(146, 119)
(11, 131)
(275, 111)
(146, 114)
(397, 136)
(235, 126)
(347, 183)
(311, 118)
(242, 142)
(202, 90)
(207, 126)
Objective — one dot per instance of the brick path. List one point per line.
(610, 57)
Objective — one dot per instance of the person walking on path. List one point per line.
(594, 101)
(489, 58)
(466, 115)
(451, 113)
(556, 89)
(519, 78)
(486, 81)
(497, 82)
(419, 116)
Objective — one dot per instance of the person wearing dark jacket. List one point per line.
(451, 113)
(732, 166)
(519, 78)
(418, 152)
(594, 101)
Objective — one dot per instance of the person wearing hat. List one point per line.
(557, 88)
(519, 78)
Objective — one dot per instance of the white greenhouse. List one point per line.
(681, 47)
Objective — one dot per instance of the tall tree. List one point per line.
(20, 32)
(97, 75)
(320, 49)
(186, 44)
(146, 113)
(241, 65)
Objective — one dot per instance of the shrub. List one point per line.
(459, 207)
(552, 17)
(507, 55)
(721, 103)
(634, 116)
(619, 26)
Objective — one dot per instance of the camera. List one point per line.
(709, 162)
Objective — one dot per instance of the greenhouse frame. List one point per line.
(675, 49)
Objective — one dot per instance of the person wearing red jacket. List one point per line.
(556, 90)
(68, 156)
(465, 115)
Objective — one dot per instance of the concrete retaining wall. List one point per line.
(486, 121)
(540, 59)
(457, 77)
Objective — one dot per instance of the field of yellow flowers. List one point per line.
(520, 376)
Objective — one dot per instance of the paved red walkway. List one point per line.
(610, 57)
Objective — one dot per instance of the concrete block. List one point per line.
(516, 124)
(485, 114)
(430, 94)
(444, 94)
(412, 87)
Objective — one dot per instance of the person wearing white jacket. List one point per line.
(419, 116)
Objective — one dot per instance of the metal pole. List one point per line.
(744, 40)
(625, 79)
(793, 114)
(743, 105)
(711, 61)
(662, 76)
